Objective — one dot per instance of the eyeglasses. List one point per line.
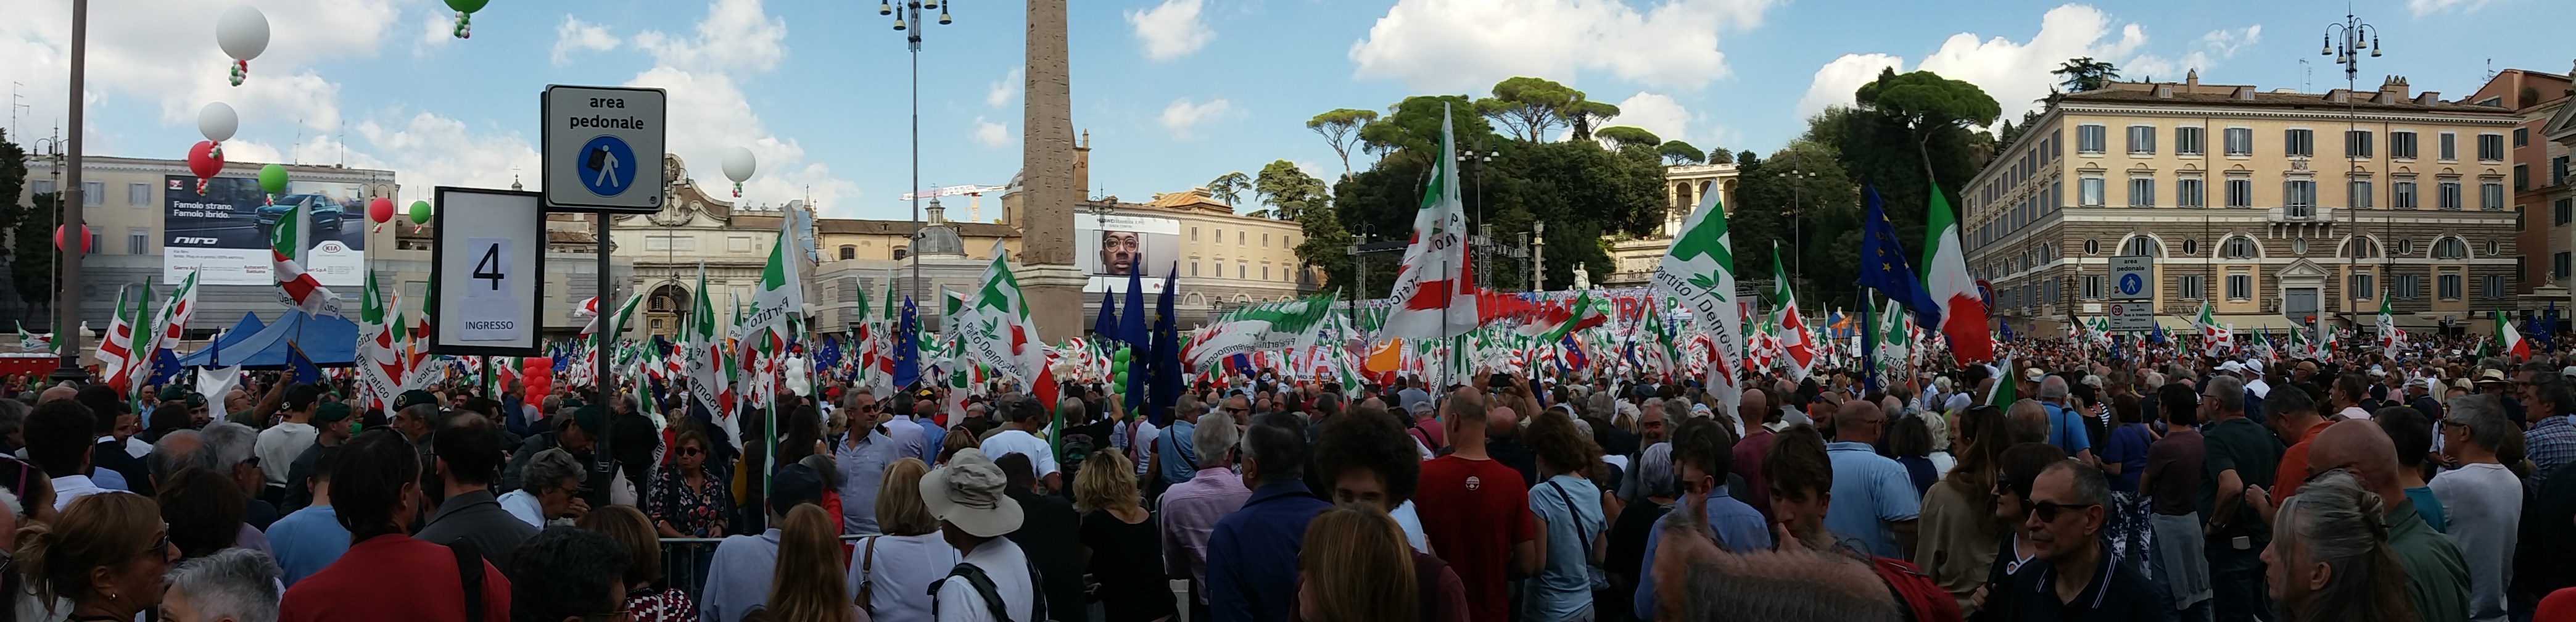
(2048, 510)
(691, 451)
(1238, 411)
(160, 544)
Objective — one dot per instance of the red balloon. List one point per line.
(58, 238)
(204, 161)
(379, 210)
(536, 374)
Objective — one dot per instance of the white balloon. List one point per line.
(738, 164)
(217, 121)
(242, 32)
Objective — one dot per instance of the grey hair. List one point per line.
(2052, 388)
(2155, 380)
(2229, 391)
(1676, 410)
(1212, 439)
(2336, 521)
(2484, 418)
(240, 584)
(2091, 486)
(167, 459)
(231, 443)
(1655, 470)
(548, 469)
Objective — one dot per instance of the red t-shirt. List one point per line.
(2293, 469)
(1473, 511)
(355, 587)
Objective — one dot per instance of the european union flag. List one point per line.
(1883, 266)
(1164, 365)
(1106, 327)
(300, 367)
(907, 348)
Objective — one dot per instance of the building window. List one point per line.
(2358, 193)
(2361, 286)
(2493, 247)
(2491, 286)
(2240, 192)
(2356, 143)
(2240, 286)
(2056, 195)
(1265, 272)
(2558, 265)
(2239, 248)
(901, 252)
(2562, 209)
(2402, 194)
(2240, 141)
(93, 193)
(2360, 248)
(1242, 269)
(1265, 240)
(2300, 197)
(2401, 145)
(2142, 139)
(2521, 136)
(2187, 141)
(2091, 286)
(2447, 286)
(2450, 248)
(2558, 170)
(2194, 286)
(2142, 192)
(2491, 196)
(2405, 246)
(2298, 246)
(2141, 246)
(1240, 236)
(2450, 195)
(1194, 266)
(2089, 138)
(138, 241)
(40, 186)
(849, 252)
(2408, 286)
(2092, 247)
(1194, 234)
(2447, 146)
(2298, 143)
(1220, 237)
(2191, 246)
(138, 195)
(2188, 192)
(2521, 176)
(2490, 148)
(2088, 192)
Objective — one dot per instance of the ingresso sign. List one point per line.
(488, 271)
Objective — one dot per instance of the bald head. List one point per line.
(1755, 407)
(57, 392)
(1858, 421)
(2361, 447)
(1502, 422)
(2029, 422)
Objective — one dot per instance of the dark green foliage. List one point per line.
(1678, 152)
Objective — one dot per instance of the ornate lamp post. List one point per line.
(907, 20)
(2345, 41)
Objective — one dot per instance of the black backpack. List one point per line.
(983, 585)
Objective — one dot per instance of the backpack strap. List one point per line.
(1579, 529)
(983, 585)
(469, 570)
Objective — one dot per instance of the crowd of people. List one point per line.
(2058, 483)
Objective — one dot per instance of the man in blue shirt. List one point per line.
(311, 537)
(1252, 553)
(1702, 455)
(1873, 500)
(2065, 426)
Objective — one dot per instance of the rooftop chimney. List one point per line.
(2395, 87)
(2191, 78)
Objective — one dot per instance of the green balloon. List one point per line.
(1121, 385)
(420, 212)
(467, 6)
(1121, 356)
(272, 179)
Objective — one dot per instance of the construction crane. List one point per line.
(975, 194)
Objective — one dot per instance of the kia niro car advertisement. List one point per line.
(224, 233)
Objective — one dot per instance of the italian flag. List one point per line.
(2510, 339)
(377, 377)
(294, 287)
(2390, 338)
(1434, 296)
(116, 353)
(1945, 277)
(1794, 338)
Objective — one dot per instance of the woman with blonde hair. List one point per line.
(808, 584)
(1118, 537)
(1355, 565)
(102, 559)
(890, 575)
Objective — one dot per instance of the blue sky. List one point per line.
(1173, 92)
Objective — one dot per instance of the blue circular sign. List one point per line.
(2131, 283)
(607, 166)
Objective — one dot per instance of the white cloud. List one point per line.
(2423, 7)
(1835, 81)
(2017, 74)
(1183, 117)
(429, 150)
(1654, 112)
(170, 62)
(1001, 91)
(574, 35)
(988, 133)
(1463, 44)
(1172, 29)
(709, 113)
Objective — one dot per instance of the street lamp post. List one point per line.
(2345, 41)
(1797, 222)
(68, 202)
(912, 42)
(1482, 242)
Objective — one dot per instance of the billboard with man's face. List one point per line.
(1112, 245)
(223, 233)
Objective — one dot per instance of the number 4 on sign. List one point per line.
(491, 265)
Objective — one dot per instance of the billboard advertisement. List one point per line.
(1110, 246)
(224, 232)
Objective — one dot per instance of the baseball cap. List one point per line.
(331, 411)
(414, 397)
(968, 493)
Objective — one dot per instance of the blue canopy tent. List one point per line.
(328, 340)
(249, 325)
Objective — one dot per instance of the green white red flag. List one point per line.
(1945, 277)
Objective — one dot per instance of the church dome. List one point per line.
(936, 237)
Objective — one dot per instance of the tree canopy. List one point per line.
(1617, 136)
(1340, 127)
(2084, 74)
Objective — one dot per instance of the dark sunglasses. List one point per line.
(2048, 510)
(691, 451)
(1238, 410)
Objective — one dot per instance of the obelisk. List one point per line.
(1050, 282)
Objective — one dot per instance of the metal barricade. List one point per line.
(684, 561)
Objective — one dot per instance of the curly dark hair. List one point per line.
(1368, 438)
(1559, 445)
